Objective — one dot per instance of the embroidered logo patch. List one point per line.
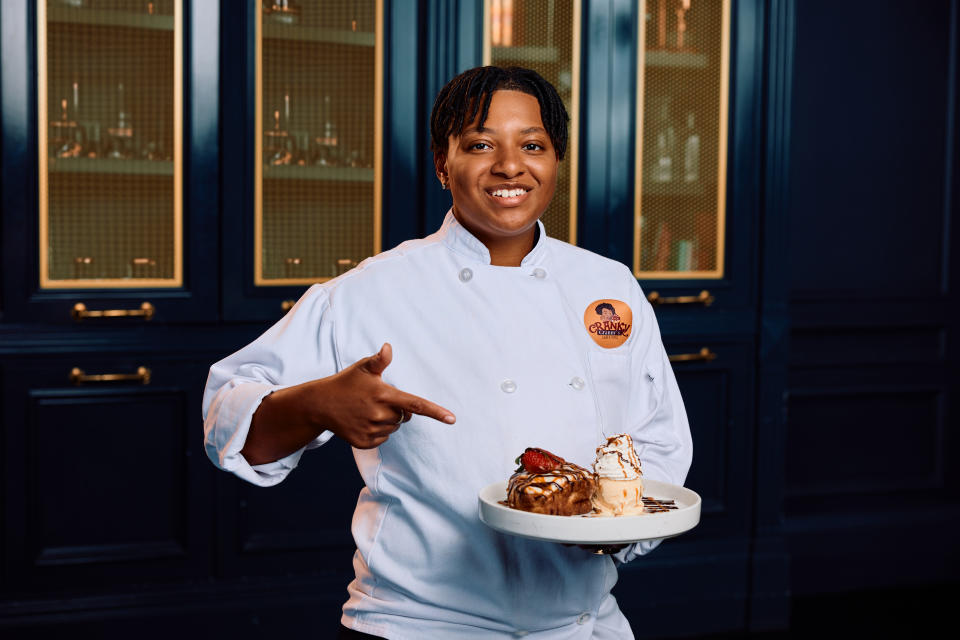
(608, 322)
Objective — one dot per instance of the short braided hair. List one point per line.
(462, 98)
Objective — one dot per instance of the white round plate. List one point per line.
(593, 529)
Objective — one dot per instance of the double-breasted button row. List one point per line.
(466, 274)
(509, 386)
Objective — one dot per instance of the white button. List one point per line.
(508, 386)
(539, 273)
(578, 383)
(465, 275)
(583, 618)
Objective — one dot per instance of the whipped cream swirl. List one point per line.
(617, 459)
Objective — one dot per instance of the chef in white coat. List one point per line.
(440, 361)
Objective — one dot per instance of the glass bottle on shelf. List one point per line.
(664, 145)
(691, 152)
(120, 135)
(65, 135)
(328, 141)
(276, 144)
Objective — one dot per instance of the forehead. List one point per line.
(508, 107)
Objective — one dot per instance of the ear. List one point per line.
(440, 165)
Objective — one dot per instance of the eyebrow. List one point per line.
(488, 130)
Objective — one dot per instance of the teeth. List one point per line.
(508, 193)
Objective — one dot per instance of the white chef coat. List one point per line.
(507, 350)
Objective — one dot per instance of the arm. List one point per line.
(272, 399)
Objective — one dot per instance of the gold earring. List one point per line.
(443, 183)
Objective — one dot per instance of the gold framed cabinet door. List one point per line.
(544, 35)
(319, 130)
(683, 69)
(110, 132)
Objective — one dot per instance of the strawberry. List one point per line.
(535, 460)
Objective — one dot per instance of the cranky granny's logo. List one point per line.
(608, 322)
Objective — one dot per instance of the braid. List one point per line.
(470, 93)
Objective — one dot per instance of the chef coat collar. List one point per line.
(461, 241)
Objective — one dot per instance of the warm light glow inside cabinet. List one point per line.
(544, 35)
(681, 147)
(109, 131)
(319, 121)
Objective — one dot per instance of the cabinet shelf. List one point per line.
(112, 167)
(333, 174)
(542, 55)
(318, 34)
(672, 189)
(675, 59)
(107, 18)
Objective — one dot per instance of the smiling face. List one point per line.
(502, 175)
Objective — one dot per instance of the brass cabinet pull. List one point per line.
(286, 305)
(80, 311)
(704, 355)
(704, 298)
(77, 376)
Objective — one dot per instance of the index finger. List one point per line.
(420, 406)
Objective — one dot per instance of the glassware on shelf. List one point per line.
(291, 267)
(682, 9)
(142, 268)
(328, 142)
(66, 137)
(664, 147)
(120, 136)
(282, 11)
(343, 265)
(691, 152)
(82, 267)
(276, 144)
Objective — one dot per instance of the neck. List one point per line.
(510, 252)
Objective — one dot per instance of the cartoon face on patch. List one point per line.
(607, 313)
(608, 322)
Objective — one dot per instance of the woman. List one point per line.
(440, 316)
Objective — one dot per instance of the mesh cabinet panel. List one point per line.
(318, 134)
(544, 35)
(109, 127)
(683, 66)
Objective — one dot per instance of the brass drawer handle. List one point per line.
(704, 355)
(80, 311)
(286, 305)
(77, 376)
(703, 298)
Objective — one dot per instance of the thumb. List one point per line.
(376, 363)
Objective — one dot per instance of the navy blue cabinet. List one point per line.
(822, 418)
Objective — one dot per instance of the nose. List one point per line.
(508, 162)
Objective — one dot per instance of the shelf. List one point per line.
(104, 18)
(676, 59)
(273, 31)
(672, 189)
(111, 167)
(333, 174)
(526, 54)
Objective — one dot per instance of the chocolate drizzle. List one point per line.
(564, 491)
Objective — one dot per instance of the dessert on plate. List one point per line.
(546, 483)
(619, 479)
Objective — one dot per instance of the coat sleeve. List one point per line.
(657, 418)
(298, 348)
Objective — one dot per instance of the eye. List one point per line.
(479, 146)
(533, 146)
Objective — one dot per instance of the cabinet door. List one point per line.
(105, 479)
(113, 178)
(300, 526)
(307, 140)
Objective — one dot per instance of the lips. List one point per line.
(508, 193)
